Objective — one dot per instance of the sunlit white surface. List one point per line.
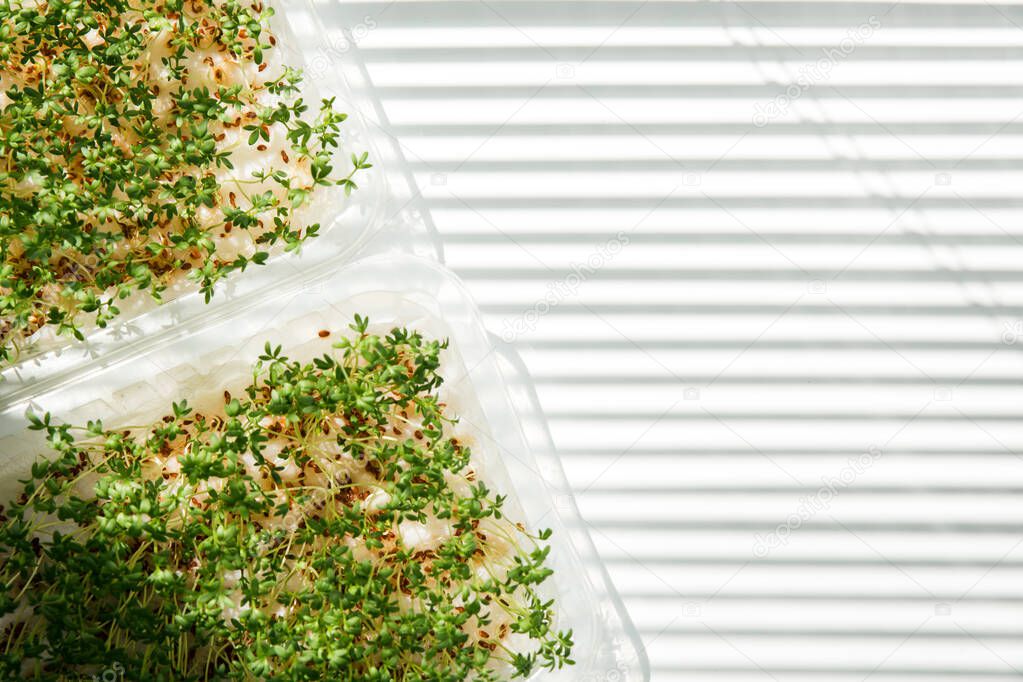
(843, 278)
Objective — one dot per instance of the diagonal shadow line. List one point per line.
(728, 582)
(756, 234)
(754, 447)
(517, 28)
(632, 127)
(842, 94)
(754, 342)
(632, 342)
(988, 433)
(635, 442)
(741, 652)
(615, 327)
(418, 193)
(986, 573)
(886, 229)
(886, 344)
(530, 253)
(671, 588)
(613, 32)
(988, 218)
(1003, 14)
(867, 544)
(990, 650)
(389, 6)
(551, 270)
(768, 28)
(641, 221)
(884, 445)
(882, 126)
(988, 139)
(506, 235)
(891, 7)
(886, 560)
(728, 151)
(503, 125)
(976, 369)
(897, 648)
(881, 233)
(907, 424)
(625, 336)
(647, 642)
(635, 560)
(906, 143)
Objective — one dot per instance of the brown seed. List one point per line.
(323, 333)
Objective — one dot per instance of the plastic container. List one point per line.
(384, 215)
(625, 657)
(484, 384)
(379, 257)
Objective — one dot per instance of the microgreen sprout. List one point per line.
(128, 133)
(323, 524)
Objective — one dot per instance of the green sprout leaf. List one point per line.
(118, 167)
(327, 522)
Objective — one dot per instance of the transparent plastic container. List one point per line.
(384, 215)
(378, 255)
(624, 656)
(485, 386)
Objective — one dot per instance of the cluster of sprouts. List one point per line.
(322, 525)
(143, 144)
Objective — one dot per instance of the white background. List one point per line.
(837, 276)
